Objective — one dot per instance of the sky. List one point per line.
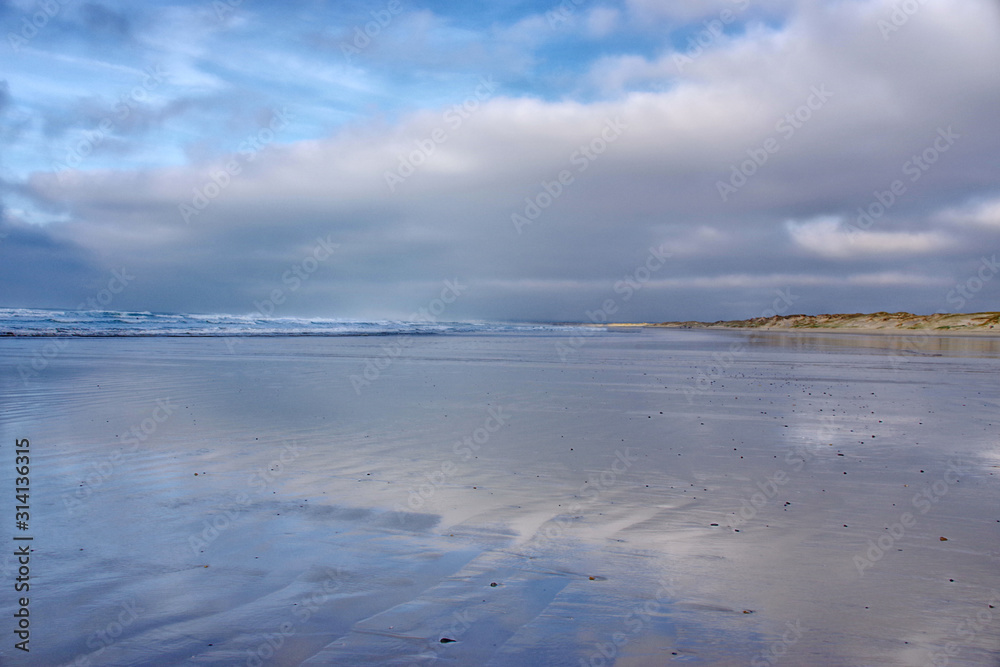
(588, 160)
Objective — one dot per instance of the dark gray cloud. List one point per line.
(39, 270)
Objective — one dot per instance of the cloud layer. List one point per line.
(536, 153)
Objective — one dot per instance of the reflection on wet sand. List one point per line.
(913, 344)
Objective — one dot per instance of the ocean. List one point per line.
(51, 322)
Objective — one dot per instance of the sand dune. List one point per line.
(881, 321)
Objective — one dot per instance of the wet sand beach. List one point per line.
(640, 497)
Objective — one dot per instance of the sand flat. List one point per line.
(346, 528)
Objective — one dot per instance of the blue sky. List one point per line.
(751, 137)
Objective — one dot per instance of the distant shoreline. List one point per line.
(946, 324)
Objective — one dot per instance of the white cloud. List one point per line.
(602, 21)
(898, 279)
(738, 281)
(827, 237)
(703, 240)
(984, 214)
